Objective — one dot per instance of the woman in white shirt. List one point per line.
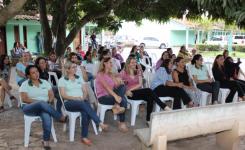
(36, 94)
(74, 91)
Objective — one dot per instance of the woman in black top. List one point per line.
(42, 66)
(180, 75)
(219, 73)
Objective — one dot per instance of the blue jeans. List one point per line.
(45, 111)
(86, 112)
(110, 100)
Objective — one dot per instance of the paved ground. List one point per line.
(12, 133)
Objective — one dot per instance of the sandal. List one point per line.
(104, 127)
(65, 120)
(46, 146)
(118, 110)
(86, 141)
(2, 109)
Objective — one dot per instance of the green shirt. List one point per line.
(72, 87)
(36, 93)
(201, 73)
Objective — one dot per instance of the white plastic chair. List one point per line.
(134, 109)
(101, 109)
(50, 74)
(72, 121)
(8, 101)
(28, 120)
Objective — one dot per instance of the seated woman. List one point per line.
(180, 75)
(163, 85)
(80, 71)
(41, 64)
(4, 79)
(36, 94)
(132, 77)
(225, 82)
(74, 92)
(111, 91)
(202, 78)
(165, 55)
(21, 66)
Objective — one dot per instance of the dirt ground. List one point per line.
(12, 135)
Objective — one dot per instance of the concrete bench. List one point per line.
(227, 121)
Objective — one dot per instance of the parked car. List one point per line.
(238, 39)
(152, 42)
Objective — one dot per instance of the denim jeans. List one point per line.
(86, 112)
(110, 100)
(45, 111)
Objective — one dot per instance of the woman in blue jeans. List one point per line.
(74, 91)
(36, 94)
(110, 90)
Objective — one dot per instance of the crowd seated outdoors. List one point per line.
(101, 76)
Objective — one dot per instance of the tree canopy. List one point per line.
(10, 10)
(109, 14)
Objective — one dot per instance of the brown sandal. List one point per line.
(118, 110)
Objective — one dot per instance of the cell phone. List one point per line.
(238, 60)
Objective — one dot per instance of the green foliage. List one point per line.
(229, 10)
(206, 47)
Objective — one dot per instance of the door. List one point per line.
(16, 34)
(3, 46)
(25, 36)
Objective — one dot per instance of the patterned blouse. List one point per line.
(5, 73)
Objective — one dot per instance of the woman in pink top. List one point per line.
(110, 90)
(133, 80)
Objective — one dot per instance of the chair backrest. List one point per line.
(55, 77)
(62, 100)
(95, 90)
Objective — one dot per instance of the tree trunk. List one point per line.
(47, 34)
(11, 10)
(61, 31)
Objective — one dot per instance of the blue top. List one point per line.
(20, 67)
(160, 77)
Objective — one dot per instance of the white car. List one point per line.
(152, 42)
(238, 39)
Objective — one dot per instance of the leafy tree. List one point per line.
(10, 10)
(232, 11)
(105, 13)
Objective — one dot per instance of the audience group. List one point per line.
(102, 76)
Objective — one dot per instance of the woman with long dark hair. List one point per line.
(219, 75)
(163, 85)
(5, 70)
(180, 75)
(202, 78)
